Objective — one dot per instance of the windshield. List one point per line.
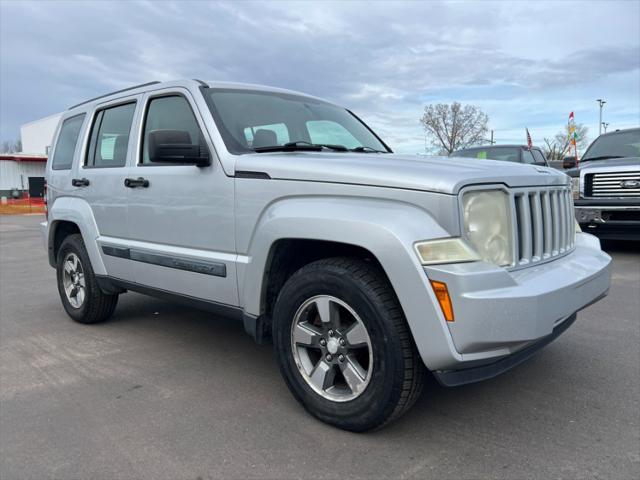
(615, 145)
(507, 154)
(251, 121)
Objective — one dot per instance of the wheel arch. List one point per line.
(59, 230)
(288, 255)
(382, 230)
(69, 215)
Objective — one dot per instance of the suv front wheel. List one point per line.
(79, 291)
(343, 345)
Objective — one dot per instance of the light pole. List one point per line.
(601, 102)
(605, 125)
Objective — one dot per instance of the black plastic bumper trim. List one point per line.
(454, 378)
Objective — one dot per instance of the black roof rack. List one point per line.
(113, 93)
(204, 84)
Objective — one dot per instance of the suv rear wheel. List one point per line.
(343, 345)
(79, 291)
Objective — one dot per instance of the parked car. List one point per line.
(606, 186)
(506, 153)
(288, 213)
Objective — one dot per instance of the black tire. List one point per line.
(398, 371)
(96, 306)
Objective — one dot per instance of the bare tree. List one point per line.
(455, 126)
(560, 145)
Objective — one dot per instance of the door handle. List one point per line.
(80, 182)
(136, 182)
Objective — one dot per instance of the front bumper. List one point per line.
(499, 312)
(454, 378)
(609, 220)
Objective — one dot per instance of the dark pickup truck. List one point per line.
(506, 153)
(606, 186)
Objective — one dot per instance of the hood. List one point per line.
(614, 162)
(414, 172)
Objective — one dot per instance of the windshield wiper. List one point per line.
(367, 149)
(300, 146)
(602, 157)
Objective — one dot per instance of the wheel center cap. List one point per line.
(332, 345)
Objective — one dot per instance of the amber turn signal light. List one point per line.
(442, 294)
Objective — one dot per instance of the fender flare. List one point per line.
(76, 210)
(386, 228)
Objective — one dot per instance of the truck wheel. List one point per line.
(80, 294)
(343, 345)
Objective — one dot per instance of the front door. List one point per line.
(180, 217)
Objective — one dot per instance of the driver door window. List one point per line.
(170, 113)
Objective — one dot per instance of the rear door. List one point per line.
(105, 165)
(181, 219)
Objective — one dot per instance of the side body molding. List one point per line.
(78, 211)
(386, 228)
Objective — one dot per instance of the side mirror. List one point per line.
(174, 146)
(569, 162)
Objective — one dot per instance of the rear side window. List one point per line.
(527, 157)
(505, 154)
(537, 154)
(110, 136)
(66, 144)
(170, 113)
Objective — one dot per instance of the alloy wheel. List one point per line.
(331, 348)
(73, 280)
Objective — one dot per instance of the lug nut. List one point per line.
(331, 333)
(341, 358)
(323, 342)
(343, 342)
(329, 357)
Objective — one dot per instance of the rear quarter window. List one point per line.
(66, 144)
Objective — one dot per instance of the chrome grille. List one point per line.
(544, 223)
(613, 184)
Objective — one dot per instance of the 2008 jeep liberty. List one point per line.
(284, 211)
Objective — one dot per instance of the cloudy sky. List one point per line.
(524, 63)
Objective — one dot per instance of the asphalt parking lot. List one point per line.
(167, 392)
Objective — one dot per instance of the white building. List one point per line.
(37, 136)
(24, 172)
(20, 172)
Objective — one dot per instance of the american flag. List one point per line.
(529, 142)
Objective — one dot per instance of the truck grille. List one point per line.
(544, 223)
(612, 184)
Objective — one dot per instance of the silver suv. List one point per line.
(288, 213)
